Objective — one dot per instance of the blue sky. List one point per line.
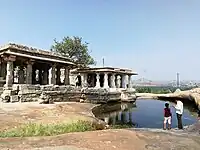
(156, 38)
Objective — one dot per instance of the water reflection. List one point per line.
(143, 113)
(116, 113)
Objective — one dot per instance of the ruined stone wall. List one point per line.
(50, 94)
(60, 94)
(101, 95)
(71, 93)
(28, 93)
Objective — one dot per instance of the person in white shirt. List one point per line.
(179, 113)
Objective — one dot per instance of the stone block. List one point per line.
(14, 98)
(15, 87)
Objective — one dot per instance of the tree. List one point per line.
(74, 49)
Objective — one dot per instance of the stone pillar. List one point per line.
(21, 75)
(52, 78)
(119, 117)
(45, 75)
(98, 82)
(129, 81)
(93, 80)
(105, 84)
(118, 81)
(106, 119)
(84, 80)
(3, 70)
(9, 70)
(9, 75)
(33, 75)
(66, 74)
(123, 81)
(114, 118)
(112, 81)
(29, 72)
(15, 75)
(58, 73)
(41, 76)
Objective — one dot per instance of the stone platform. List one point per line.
(55, 93)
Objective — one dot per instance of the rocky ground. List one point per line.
(15, 114)
(12, 115)
(121, 139)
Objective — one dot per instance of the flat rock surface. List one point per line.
(120, 139)
(15, 114)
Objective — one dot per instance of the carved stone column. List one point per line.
(21, 75)
(118, 81)
(106, 119)
(45, 75)
(52, 79)
(93, 80)
(98, 82)
(9, 70)
(84, 80)
(3, 70)
(29, 72)
(129, 81)
(66, 74)
(123, 81)
(41, 76)
(113, 81)
(58, 73)
(105, 84)
(33, 75)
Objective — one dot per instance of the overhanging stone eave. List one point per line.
(39, 58)
(103, 71)
(31, 50)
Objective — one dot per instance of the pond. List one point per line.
(146, 113)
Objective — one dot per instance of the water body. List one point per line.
(142, 114)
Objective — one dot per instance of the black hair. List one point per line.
(167, 105)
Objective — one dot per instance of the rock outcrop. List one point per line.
(192, 95)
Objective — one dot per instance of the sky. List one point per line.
(156, 38)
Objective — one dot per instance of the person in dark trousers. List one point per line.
(167, 117)
(179, 113)
(78, 79)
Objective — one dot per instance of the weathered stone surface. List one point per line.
(29, 93)
(101, 95)
(128, 95)
(6, 95)
(59, 94)
(55, 93)
(29, 87)
(45, 99)
(14, 98)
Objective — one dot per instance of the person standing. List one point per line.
(167, 117)
(179, 113)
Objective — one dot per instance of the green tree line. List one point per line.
(160, 90)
